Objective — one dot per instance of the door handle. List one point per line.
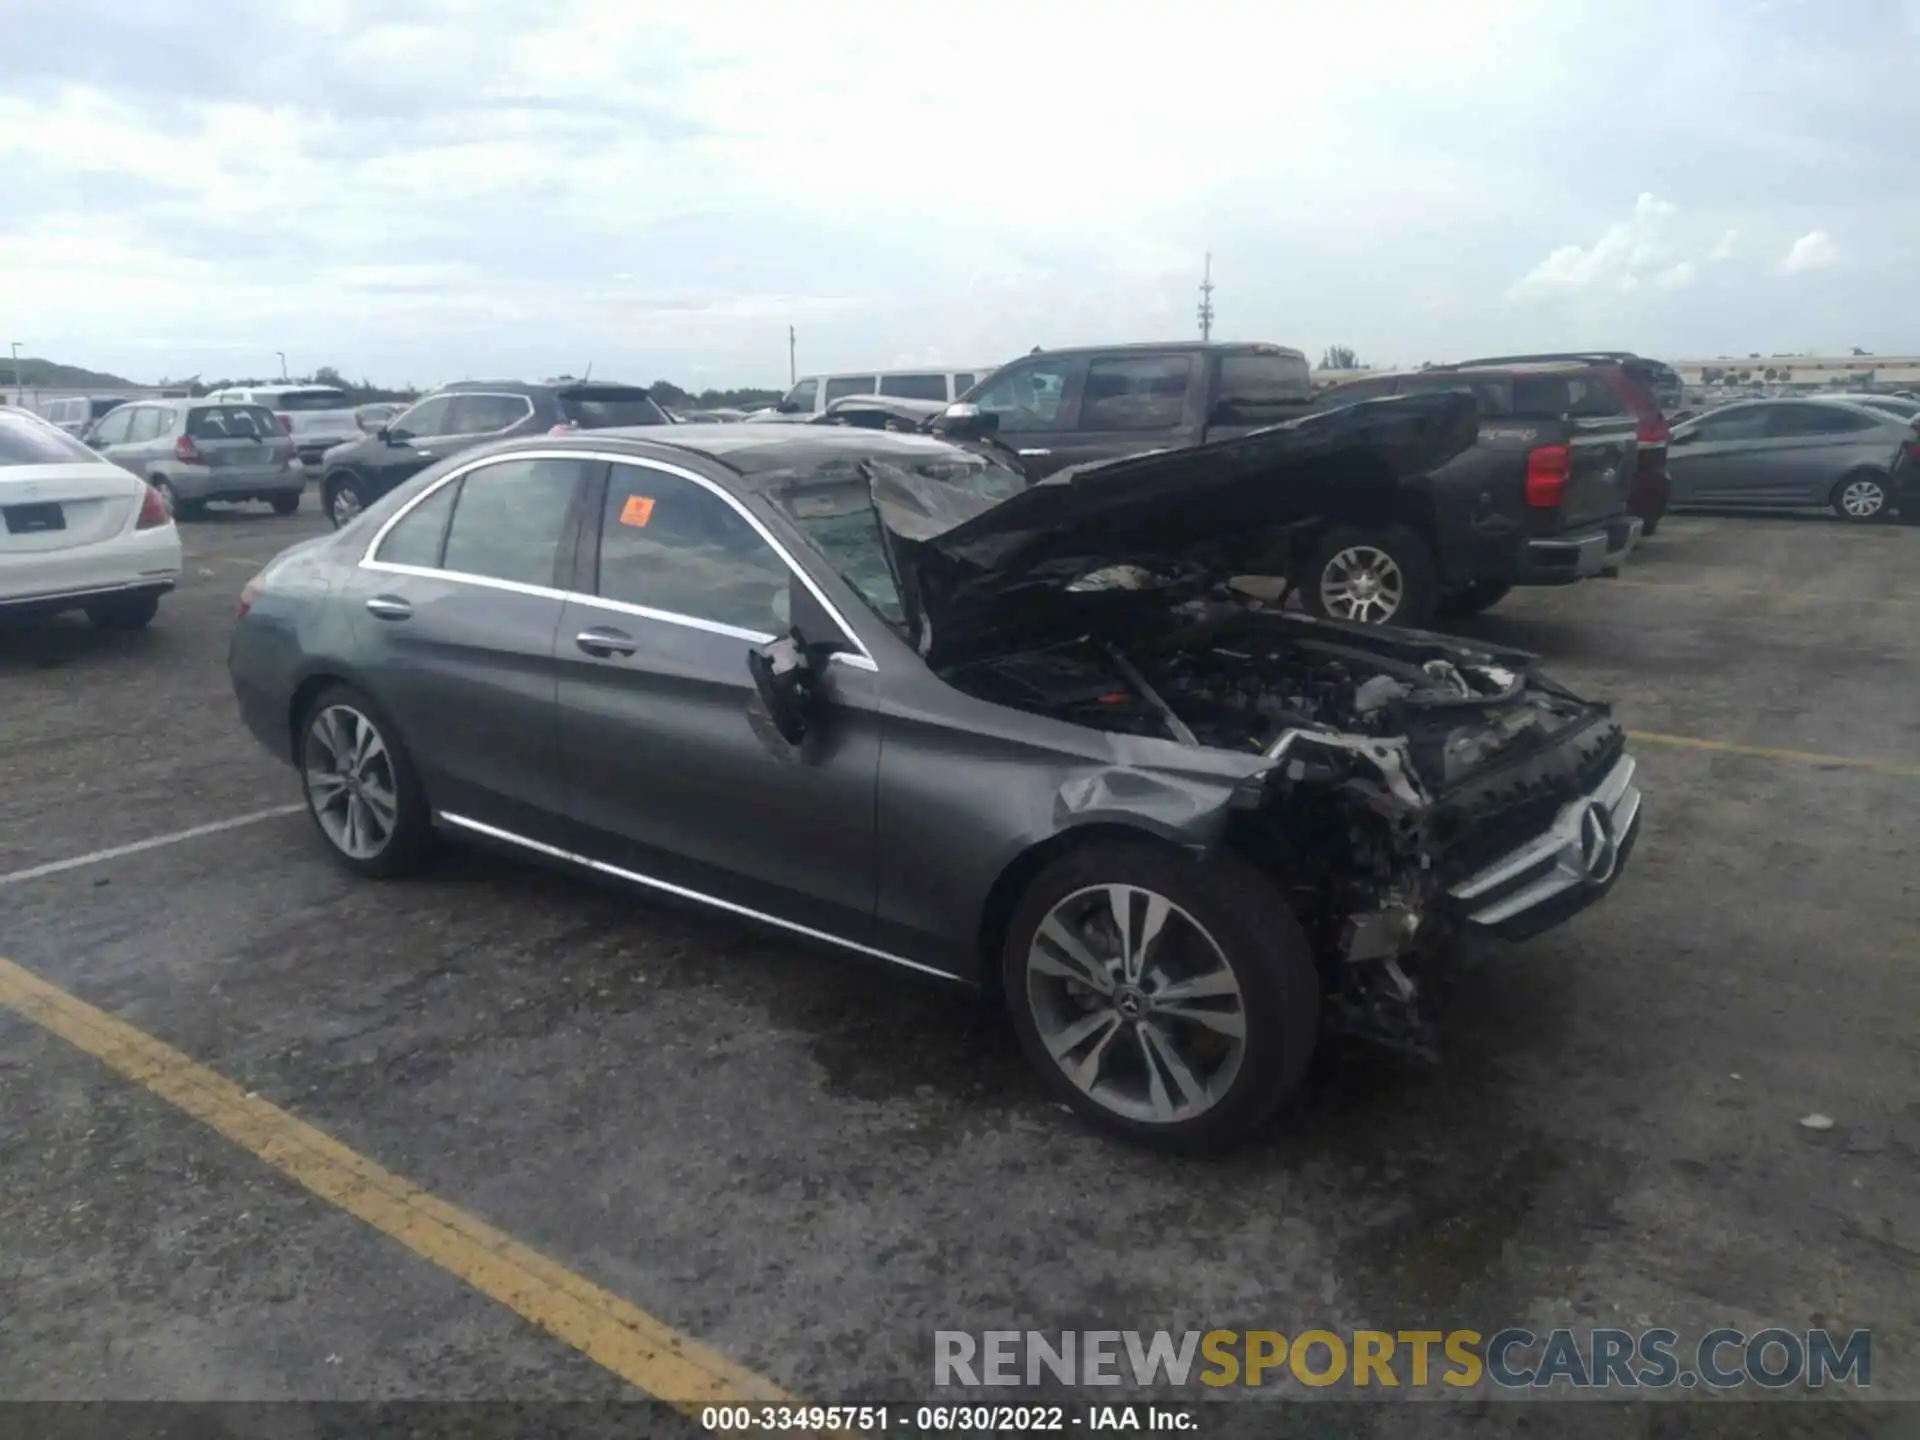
(605, 643)
(390, 607)
(1036, 452)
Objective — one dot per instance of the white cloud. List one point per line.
(1676, 277)
(1813, 251)
(1723, 248)
(1627, 252)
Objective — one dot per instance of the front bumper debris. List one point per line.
(1562, 871)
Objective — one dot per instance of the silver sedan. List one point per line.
(1789, 454)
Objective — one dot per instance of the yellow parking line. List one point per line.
(1901, 768)
(1755, 592)
(631, 1343)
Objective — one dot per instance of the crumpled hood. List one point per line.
(978, 575)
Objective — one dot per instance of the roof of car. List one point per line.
(1152, 346)
(539, 387)
(752, 449)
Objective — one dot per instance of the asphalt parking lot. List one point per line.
(810, 1164)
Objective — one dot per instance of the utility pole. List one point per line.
(1206, 300)
(792, 374)
(16, 371)
(283, 363)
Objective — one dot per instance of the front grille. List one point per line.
(1580, 847)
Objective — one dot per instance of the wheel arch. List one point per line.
(1003, 896)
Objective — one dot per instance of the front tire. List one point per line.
(1374, 577)
(1860, 497)
(124, 612)
(1170, 1000)
(343, 495)
(361, 788)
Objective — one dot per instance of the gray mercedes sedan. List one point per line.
(879, 692)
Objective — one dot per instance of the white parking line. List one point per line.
(36, 872)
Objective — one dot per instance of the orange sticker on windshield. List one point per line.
(637, 511)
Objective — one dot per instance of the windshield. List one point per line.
(834, 504)
(26, 439)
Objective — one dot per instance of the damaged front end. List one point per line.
(1419, 792)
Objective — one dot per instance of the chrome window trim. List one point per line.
(861, 659)
(636, 878)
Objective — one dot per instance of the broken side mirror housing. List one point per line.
(784, 675)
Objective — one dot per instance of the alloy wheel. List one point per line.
(350, 782)
(1862, 499)
(1136, 1003)
(1363, 583)
(343, 505)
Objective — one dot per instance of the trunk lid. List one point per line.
(63, 506)
(239, 436)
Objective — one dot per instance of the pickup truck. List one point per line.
(1076, 407)
(1541, 499)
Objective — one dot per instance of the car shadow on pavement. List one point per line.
(49, 644)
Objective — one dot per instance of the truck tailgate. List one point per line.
(1601, 477)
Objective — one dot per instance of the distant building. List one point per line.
(1818, 370)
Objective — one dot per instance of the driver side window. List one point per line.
(1032, 396)
(427, 419)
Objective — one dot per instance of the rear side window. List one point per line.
(508, 520)
(232, 422)
(914, 387)
(962, 383)
(1147, 392)
(609, 409)
(297, 400)
(841, 386)
(28, 440)
(484, 414)
(418, 538)
(1261, 388)
(1816, 420)
(669, 544)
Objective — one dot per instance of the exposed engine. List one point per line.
(1368, 735)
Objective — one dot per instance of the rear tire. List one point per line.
(362, 791)
(1148, 1069)
(1472, 600)
(124, 612)
(285, 504)
(1861, 497)
(176, 507)
(1373, 577)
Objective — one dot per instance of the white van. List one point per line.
(811, 394)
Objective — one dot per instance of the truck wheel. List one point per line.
(1473, 599)
(1170, 999)
(1375, 577)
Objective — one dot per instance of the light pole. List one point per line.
(792, 375)
(16, 370)
(283, 363)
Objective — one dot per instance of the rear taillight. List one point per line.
(1912, 448)
(1548, 467)
(249, 593)
(286, 423)
(153, 510)
(187, 452)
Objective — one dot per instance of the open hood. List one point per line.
(977, 575)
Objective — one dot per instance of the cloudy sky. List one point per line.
(420, 191)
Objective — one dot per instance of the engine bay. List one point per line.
(1231, 676)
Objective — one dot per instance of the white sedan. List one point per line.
(78, 533)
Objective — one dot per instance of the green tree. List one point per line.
(1339, 357)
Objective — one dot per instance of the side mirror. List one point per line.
(966, 421)
(394, 436)
(787, 407)
(92, 442)
(783, 673)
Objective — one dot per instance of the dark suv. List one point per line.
(470, 413)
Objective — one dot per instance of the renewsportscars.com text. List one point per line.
(1514, 1358)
